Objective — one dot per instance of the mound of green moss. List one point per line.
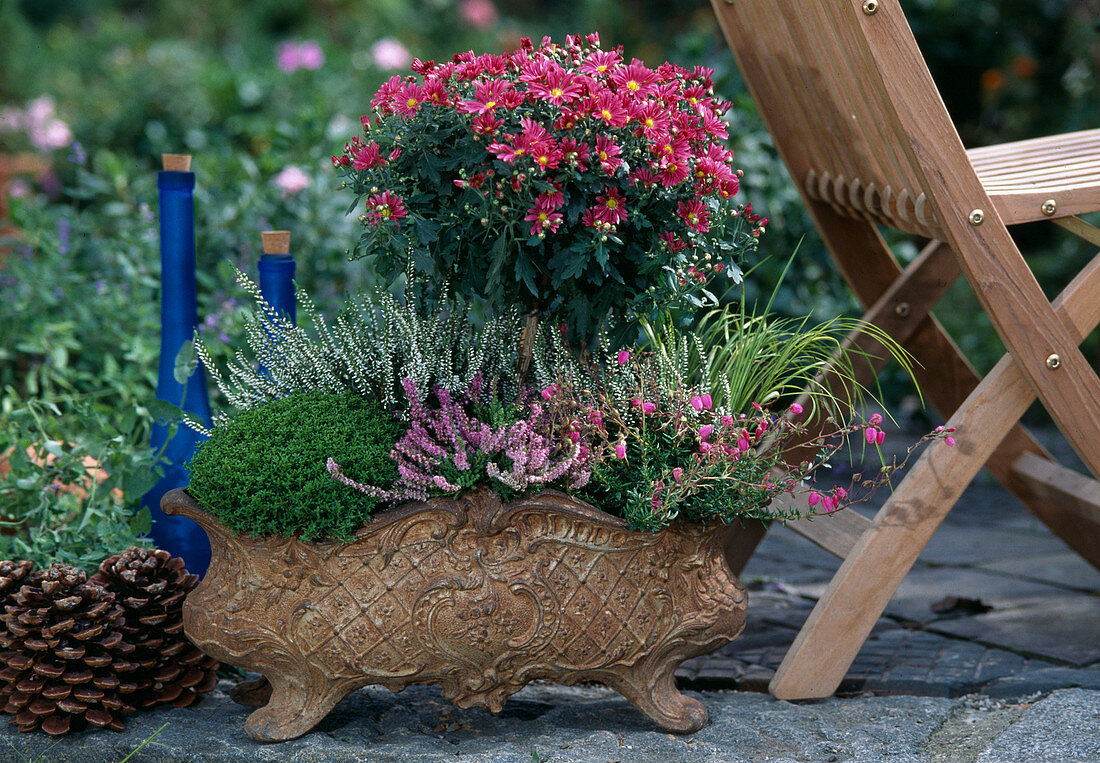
(263, 472)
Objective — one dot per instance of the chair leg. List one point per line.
(840, 622)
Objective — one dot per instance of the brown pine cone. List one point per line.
(12, 575)
(151, 585)
(66, 662)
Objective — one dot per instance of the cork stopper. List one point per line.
(276, 241)
(176, 162)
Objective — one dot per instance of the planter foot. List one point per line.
(664, 704)
(293, 710)
(253, 693)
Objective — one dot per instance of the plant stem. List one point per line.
(527, 344)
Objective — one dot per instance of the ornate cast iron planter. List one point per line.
(475, 595)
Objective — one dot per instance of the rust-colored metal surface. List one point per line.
(478, 596)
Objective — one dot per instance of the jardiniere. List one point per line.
(474, 594)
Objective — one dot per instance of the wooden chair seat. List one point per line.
(859, 123)
(1023, 176)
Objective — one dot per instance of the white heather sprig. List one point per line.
(374, 343)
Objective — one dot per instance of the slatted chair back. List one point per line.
(810, 68)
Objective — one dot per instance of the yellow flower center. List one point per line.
(693, 218)
(632, 85)
(606, 113)
(542, 217)
(490, 104)
(411, 102)
(384, 211)
(612, 203)
(649, 122)
(556, 92)
(601, 68)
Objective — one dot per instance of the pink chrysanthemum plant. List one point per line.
(560, 177)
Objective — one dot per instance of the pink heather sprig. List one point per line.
(523, 455)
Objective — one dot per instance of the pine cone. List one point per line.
(151, 585)
(12, 575)
(65, 662)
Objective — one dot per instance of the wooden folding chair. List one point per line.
(860, 124)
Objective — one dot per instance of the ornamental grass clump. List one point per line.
(263, 472)
(559, 177)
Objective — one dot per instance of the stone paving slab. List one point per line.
(547, 723)
(895, 661)
(1064, 727)
(1063, 569)
(1064, 628)
(921, 597)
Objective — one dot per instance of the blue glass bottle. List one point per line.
(179, 318)
(277, 273)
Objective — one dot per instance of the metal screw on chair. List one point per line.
(870, 7)
(902, 309)
(1053, 362)
(976, 217)
(1050, 206)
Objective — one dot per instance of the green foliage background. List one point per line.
(79, 285)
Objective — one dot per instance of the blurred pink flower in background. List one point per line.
(292, 180)
(19, 188)
(286, 57)
(292, 56)
(480, 14)
(53, 134)
(388, 53)
(39, 121)
(310, 55)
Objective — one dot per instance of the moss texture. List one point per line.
(263, 472)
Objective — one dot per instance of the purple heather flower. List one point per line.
(705, 430)
(77, 154)
(620, 450)
(697, 402)
(727, 421)
(624, 357)
(708, 403)
(64, 232)
(648, 407)
(677, 473)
